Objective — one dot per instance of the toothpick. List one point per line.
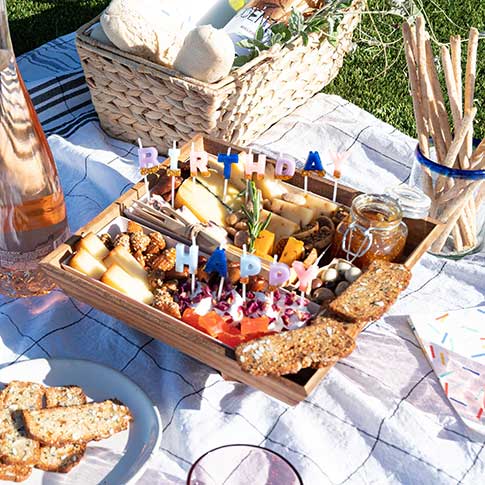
(221, 285)
(244, 284)
(305, 184)
(226, 181)
(192, 277)
(145, 178)
(302, 299)
(192, 149)
(173, 182)
(335, 187)
(271, 293)
(247, 180)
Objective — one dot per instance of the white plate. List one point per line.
(118, 460)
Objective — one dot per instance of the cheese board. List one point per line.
(288, 388)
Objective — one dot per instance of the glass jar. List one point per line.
(457, 201)
(373, 230)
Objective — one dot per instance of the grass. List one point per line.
(374, 77)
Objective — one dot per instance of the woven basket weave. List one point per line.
(135, 98)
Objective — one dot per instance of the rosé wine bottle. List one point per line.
(32, 210)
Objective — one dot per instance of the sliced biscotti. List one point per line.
(60, 459)
(373, 293)
(17, 449)
(15, 446)
(324, 342)
(14, 473)
(64, 396)
(20, 395)
(93, 421)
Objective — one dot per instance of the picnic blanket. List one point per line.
(379, 417)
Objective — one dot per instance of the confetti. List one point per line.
(432, 351)
(477, 355)
(446, 388)
(480, 412)
(471, 370)
(456, 400)
(443, 317)
(444, 338)
(442, 356)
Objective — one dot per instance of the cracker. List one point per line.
(77, 424)
(14, 473)
(288, 352)
(369, 297)
(60, 459)
(64, 396)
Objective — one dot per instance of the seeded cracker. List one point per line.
(369, 297)
(77, 424)
(15, 473)
(15, 447)
(62, 459)
(288, 352)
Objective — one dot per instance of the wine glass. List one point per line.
(240, 465)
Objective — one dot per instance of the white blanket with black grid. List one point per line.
(379, 417)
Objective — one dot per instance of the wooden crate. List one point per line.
(152, 322)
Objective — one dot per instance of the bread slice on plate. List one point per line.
(15, 447)
(62, 459)
(77, 424)
(64, 396)
(20, 395)
(15, 473)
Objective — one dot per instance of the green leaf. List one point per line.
(259, 33)
(246, 43)
(304, 36)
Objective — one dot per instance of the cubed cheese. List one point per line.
(280, 226)
(293, 251)
(263, 246)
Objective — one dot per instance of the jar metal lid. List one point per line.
(415, 204)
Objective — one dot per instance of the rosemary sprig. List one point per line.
(253, 213)
(323, 21)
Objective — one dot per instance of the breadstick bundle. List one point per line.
(456, 202)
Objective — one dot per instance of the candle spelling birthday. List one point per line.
(174, 170)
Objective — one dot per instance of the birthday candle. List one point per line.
(312, 165)
(305, 276)
(173, 171)
(259, 167)
(227, 160)
(338, 160)
(250, 265)
(279, 274)
(217, 263)
(147, 160)
(188, 258)
(284, 169)
(198, 162)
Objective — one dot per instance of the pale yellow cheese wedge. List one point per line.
(87, 264)
(122, 257)
(120, 280)
(320, 206)
(93, 245)
(270, 187)
(215, 184)
(205, 206)
(301, 215)
(280, 226)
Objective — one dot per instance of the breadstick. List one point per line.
(409, 48)
(470, 77)
(438, 95)
(455, 45)
(427, 97)
(451, 85)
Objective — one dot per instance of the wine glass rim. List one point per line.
(235, 445)
(457, 173)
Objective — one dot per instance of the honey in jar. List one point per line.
(374, 230)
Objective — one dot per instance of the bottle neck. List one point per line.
(5, 41)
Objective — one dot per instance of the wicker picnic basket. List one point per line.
(136, 98)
